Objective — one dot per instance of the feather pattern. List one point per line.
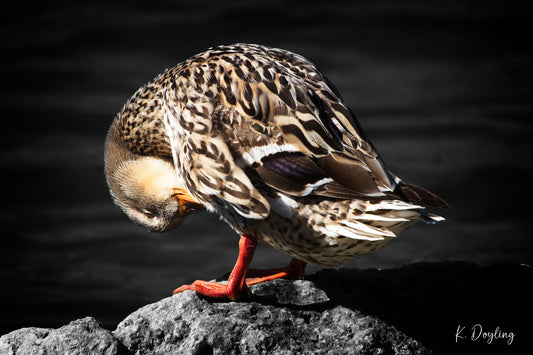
(273, 111)
(260, 136)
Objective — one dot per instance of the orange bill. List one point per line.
(186, 202)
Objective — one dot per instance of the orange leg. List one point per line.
(237, 281)
(236, 286)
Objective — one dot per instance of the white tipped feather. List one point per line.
(377, 217)
(351, 233)
(255, 154)
(431, 218)
(436, 218)
(365, 228)
(283, 206)
(312, 187)
(392, 205)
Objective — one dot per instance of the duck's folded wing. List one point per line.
(273, 125)
(290, 127)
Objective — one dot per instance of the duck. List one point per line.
(259, 136)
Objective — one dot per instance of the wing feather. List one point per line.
(255, 118)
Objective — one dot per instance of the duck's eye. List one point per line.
(149, 214)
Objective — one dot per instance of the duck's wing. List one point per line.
(272, 120)
(304, 138)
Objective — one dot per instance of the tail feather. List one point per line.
(417, 194)
(431, 218)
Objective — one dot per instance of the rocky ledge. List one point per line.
(417, 309)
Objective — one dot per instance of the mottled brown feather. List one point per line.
(263, 138)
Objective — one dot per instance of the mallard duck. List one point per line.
(261, 137)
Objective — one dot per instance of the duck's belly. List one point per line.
(300, 240)
(330, 233)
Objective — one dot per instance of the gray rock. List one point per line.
(82, 336)
(270, 324)
(287, 292)
(342, 311)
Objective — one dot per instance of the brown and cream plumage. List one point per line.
(261, 137)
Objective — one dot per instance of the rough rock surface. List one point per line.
(82, 336)
(415, 309)
(190, 324)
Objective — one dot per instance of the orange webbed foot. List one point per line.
(236, 287)
(215, 290)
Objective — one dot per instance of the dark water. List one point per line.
(442, 88)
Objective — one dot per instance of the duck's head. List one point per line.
(146, 188)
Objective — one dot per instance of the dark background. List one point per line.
(441, 87)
